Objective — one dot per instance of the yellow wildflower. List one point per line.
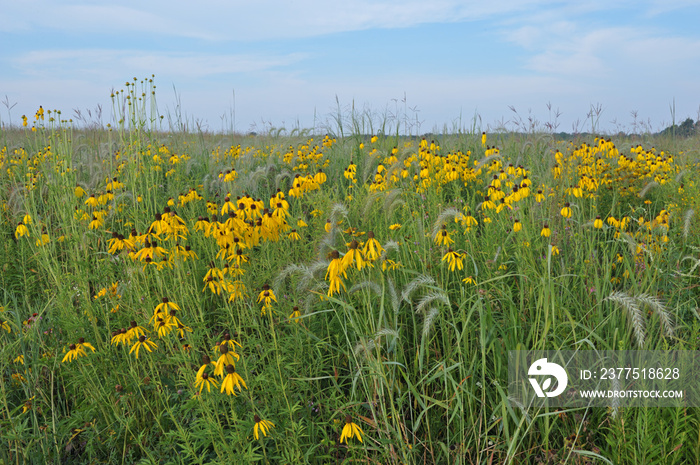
(349, 430)
(231, 381)
(262, 426)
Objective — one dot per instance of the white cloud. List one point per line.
(617, 53)
(246, 20)
(657, 7)
(107, 64)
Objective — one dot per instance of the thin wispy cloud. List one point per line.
(246, 21)
(657, 7)
(105, 63)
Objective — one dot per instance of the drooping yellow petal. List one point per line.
(357, 431)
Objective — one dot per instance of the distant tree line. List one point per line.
(687, 128)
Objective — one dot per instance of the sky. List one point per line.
(419, 66)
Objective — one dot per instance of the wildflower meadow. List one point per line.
(185, 297)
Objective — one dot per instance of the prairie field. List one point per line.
(182, 297)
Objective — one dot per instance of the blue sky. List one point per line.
(434, 64)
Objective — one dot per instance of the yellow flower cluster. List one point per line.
(225, 367)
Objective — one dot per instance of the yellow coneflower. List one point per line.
(454, 259)
(488, 204)
(231, 381)
(539, 197)
(556, 170)
(143, 341)
(213, 284)
(5, 325)
(202, 224)
(165, 306)
(105, 198)
(120, 337)
(239, 257)
(354, 256)
(262, 426)
(213, 272)
(162, 327)
(503, 205)
(159, 226)
(82, 345)
(182, 328)
(228, 358)
(73, 353)
(92, 201)
(231, 343)
(443, 237)
(372, 248)
(469, 280)
(158, 265)
(350, 171)
(116, 243)
(293, 235)
(555, 250)
(187, 252)
(133, 332)
(336, 266)
(175, 322)
(204, 380)
(545, 231)
(390, 264)
(266, 296)
(206, 361)
(156, 250)
(280, 212)
(517, 226)
(150, 249)
(598, 223)
(395, 226)
(566, 211)
(334, 285)
(21, 230)
(294, 316)
(468, 221)
(227, 206)
(320, 177)
(349, 430)
(235, 289)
